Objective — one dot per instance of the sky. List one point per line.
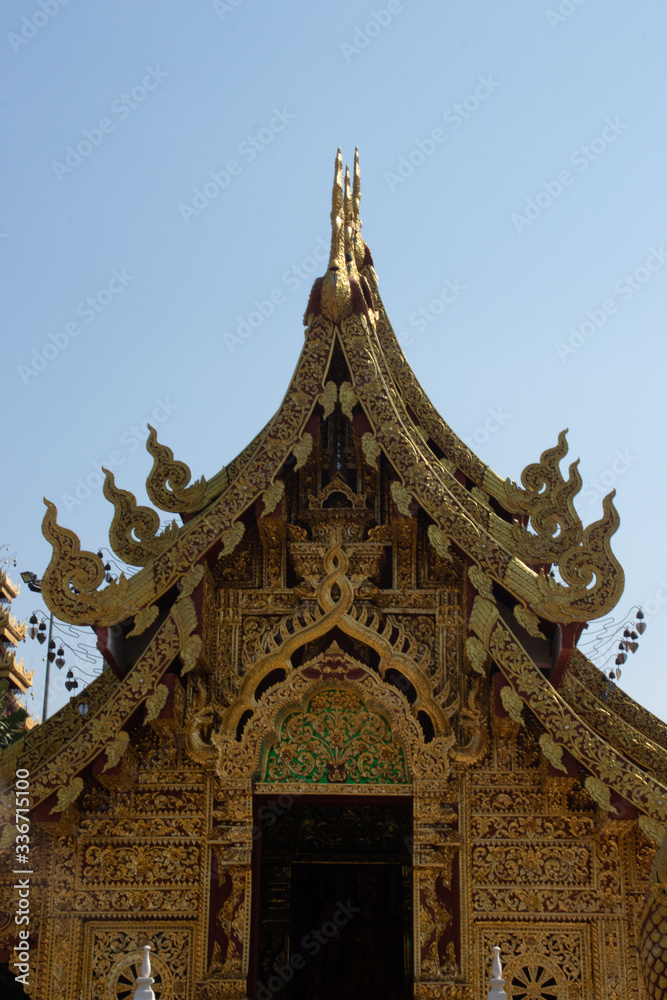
(167, 171)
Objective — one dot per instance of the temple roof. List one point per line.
(517, 534)
(535, 574)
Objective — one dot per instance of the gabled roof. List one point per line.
(471, 507)
(512, 537)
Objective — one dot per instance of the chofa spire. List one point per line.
(336, 293)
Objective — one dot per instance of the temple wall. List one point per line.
(503, 853)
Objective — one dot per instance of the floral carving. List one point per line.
(337, 740)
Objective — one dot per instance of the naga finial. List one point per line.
(336, 295)
(349, 217)
(357, 241)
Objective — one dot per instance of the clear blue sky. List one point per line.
(516, 151)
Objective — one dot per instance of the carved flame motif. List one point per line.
(592, 574)
(168, 481)
(548, 500)
(133, 534)
(72, 577)
(336, 740)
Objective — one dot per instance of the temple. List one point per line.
(344, 743)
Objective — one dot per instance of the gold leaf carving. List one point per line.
(156, 702)
(440, 542)
(656, 831)
(69, 586)
(67, 794)
(115, 750)
(302, 450)
(231, 538)
(167, 483)
(552, 751)
(144, 620)
(371, 449)
(7, 837)
(528, 619)
(328, 398)
(512, 703)
(600, 793)
(191, 580)
(347, 398)
(133, 533)
(476, 654)
(184, 614)
(401, 497)
(481, 496)
(190, 653)
(273, 496)
(480, 581)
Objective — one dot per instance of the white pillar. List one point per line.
(145, 980)
(496, 982)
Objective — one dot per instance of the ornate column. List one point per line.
(229, 849)
(437, 893)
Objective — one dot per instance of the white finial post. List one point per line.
(145, 981)
(496, 992)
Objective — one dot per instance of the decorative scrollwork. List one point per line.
(336, 740)
(168, 481)
(335, 595)
(133, 534)
(70, 583)
(548, 500)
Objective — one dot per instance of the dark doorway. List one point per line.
(347, 923)
(332, 885)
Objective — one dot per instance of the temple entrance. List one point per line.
(333, 906)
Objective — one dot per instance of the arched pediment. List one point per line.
(331, 723)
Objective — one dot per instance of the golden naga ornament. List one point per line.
(168, 483)
(133, 534)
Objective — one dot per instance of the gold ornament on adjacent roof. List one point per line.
(336, 292)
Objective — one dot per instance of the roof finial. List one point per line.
(337, 255)
(348, 215)
(336, 295)
(357, 241)
(357, 182)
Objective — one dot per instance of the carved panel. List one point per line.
(337, 739)
(111, 954)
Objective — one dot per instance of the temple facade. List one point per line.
(345, 743)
